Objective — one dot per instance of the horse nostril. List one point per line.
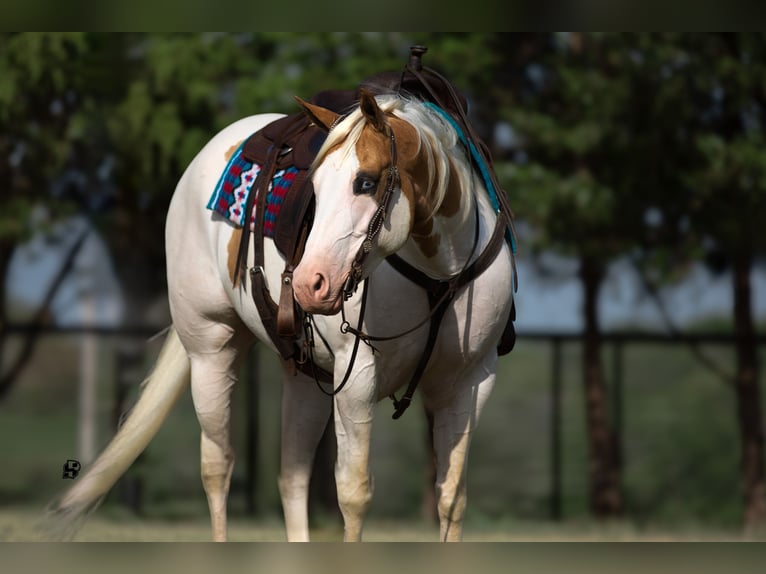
(318, 282)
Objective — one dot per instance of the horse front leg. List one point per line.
(453, 426)
(354, 407)
(305, 413)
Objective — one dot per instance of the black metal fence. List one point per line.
(616, 343)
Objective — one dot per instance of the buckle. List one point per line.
(258, 270)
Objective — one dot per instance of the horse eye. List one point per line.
(364, 185)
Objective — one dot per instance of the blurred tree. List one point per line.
(724, 76)
(702, 101)
(578, 175)
(647, 145)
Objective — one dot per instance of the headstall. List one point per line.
(376, 224)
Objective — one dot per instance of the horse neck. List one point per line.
(454, 234)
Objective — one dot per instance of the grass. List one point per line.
(19, 525)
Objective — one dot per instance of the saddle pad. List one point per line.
(230, 194)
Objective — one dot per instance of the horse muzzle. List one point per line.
(315, 294)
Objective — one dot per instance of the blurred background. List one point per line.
(631, 405)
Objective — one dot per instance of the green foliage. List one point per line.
(35, 79)
(16, 212)
(573, 118)
(649, 146)
(723, 183)
(34, 62)
(614, 125)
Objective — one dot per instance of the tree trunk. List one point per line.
(603, 456)
(748, 395)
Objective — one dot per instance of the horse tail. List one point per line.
(159, 393)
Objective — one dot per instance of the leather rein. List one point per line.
(440, 293)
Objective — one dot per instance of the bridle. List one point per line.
(376, 223)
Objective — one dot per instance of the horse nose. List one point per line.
(319, 285)
(315, 291)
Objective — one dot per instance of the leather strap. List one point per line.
(440, 296)
(260, 188)
(375, 225)
(439, 306)
(260, 291)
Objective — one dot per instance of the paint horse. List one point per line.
(392, 177)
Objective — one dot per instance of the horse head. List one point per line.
(376, 181)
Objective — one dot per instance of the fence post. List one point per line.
(88, 387)
(617, 407)
(556, 451)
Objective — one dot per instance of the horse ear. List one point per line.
(371, 110)
(322, 117)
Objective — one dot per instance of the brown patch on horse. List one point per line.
(230, 152)
(424, 201)
(428, 244)
(414, 182)
(451, 202)
(232, 250)
(413, 168)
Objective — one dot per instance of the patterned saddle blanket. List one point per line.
(230, 195)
